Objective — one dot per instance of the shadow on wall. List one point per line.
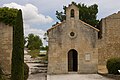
(1, 74)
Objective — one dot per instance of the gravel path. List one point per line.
(42, 76)
(77, 77)
(38, 76)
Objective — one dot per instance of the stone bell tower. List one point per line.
(72, 12)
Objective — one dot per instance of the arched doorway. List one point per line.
(72, 61)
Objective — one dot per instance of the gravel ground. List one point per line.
(77, 77)
(39, 76)
(42, 76)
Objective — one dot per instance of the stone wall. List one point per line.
(109, 44)
(5, 47)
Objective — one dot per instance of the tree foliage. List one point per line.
(34, 42)
(18, 49)
(8, 15)
(44, 48)
(60, 15)
(87, 14)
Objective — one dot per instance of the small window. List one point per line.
(72, 13)
(72, 34)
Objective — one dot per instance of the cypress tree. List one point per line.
(18, 49)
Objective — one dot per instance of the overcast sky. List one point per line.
(39, 15)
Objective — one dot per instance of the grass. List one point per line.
(34, 53)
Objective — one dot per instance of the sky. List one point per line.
(39, 15)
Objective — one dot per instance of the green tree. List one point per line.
(44, 48)
(34, 42)
(87, 14)
(18, 49)
(8, 15)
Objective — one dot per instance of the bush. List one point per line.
(34, 53)
(26, 71)
(8, 15)
(113, 65)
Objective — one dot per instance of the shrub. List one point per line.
(113, 65)
(34, 53)
(26, 71)
(8, 15)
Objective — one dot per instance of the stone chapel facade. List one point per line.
(75, 46)
(72, 45)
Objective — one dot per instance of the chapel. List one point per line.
(72, 45)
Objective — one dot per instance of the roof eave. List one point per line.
(89, 25)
